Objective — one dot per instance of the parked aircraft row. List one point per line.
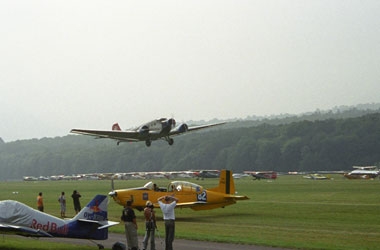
(199, 174)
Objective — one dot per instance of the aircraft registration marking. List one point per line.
(202, 196)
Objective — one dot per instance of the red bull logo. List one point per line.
(96, 208)
(95, 213)
(51, 227)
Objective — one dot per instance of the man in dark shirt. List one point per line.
(130, 224)
(76, 201)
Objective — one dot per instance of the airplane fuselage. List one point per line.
(362, 174)
(189, 194)
(185, 192)
(18, 218)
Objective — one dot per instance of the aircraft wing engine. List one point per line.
(183, 128)
(144, 130)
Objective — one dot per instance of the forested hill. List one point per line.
(331, 144)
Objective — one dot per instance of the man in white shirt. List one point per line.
(167, 205)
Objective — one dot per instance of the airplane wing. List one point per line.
(183, 128)
(131, 136)
(134, 135)
(190, 204)
(23, 231)
(144, 132)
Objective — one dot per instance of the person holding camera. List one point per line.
(167, 205)
(150, 226)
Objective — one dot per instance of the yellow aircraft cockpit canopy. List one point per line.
(184, 186)
(149, 185)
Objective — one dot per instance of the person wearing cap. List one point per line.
(150, 226)
(130, 224)
(167, 205)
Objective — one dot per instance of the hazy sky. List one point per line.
(87, 64)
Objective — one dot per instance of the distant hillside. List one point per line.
(341, 112)
(334, 140)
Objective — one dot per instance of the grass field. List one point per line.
(290, 212)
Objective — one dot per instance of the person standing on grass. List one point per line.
(62, 203)
(76, 195)
(40, 202)
(150, 226)
(130, 225)
(167, 205)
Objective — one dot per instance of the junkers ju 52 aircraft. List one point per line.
(157, 129)
(188, 194)
(90, 223)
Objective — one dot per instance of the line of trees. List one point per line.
(330, 144)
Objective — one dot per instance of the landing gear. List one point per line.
(170, 141)
(100, 246)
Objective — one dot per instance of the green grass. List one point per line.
(15, 243)
(289, 212)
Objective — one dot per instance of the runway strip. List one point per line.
(160, 244)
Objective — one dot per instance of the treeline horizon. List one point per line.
(319, 141)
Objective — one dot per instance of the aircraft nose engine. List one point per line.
(169, 123)
(112, 194)
(172, 123)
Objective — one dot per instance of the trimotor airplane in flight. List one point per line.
(188, 194)
(90, 223)
(157, 129)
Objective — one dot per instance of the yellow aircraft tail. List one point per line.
(226, 183)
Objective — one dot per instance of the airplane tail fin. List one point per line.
(93, 220)
(96, 208)
(226, 183)
(116, 127)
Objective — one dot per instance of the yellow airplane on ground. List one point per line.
(188, 194)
